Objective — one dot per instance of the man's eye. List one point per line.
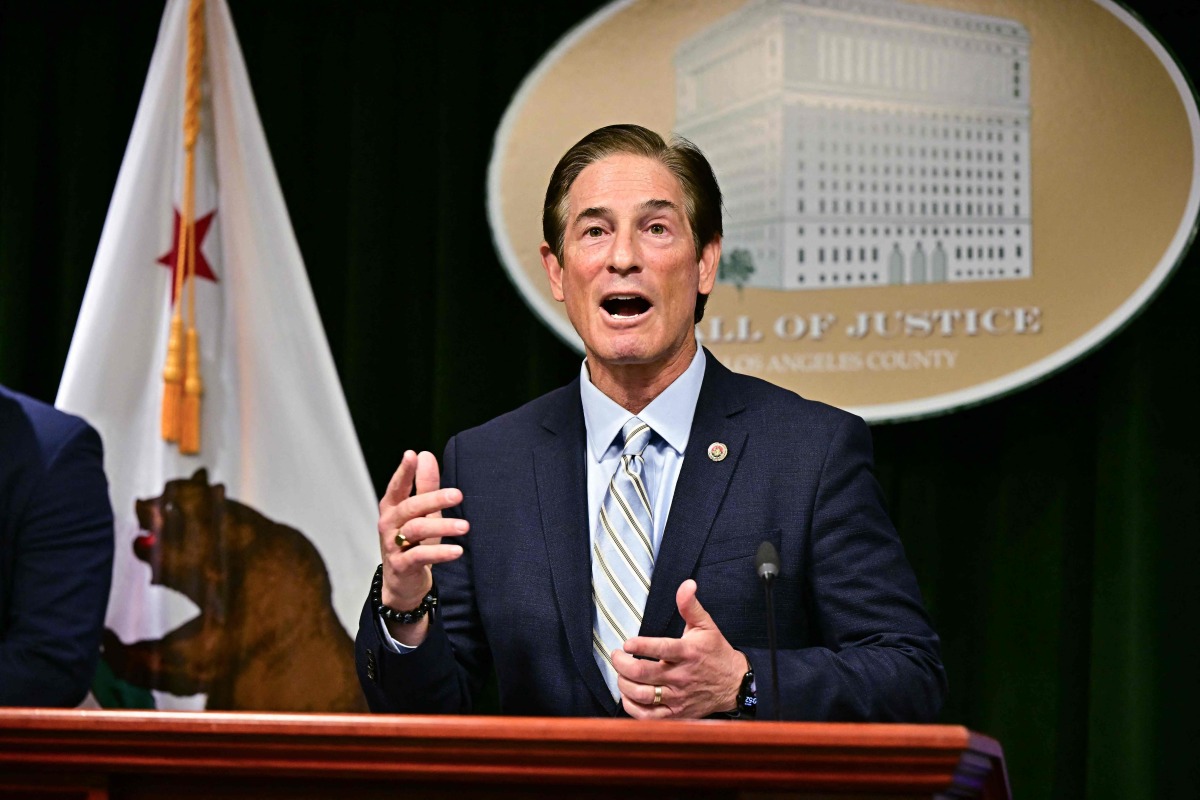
(657, 229)
(594, 232)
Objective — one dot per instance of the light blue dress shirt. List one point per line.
(670, 417)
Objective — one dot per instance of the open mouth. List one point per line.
(150, 520)
(143, 546)
(625, 306)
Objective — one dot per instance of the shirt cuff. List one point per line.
(390, 643)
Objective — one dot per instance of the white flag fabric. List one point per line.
(221, 593)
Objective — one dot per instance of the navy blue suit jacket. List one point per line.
(56, 553)
(855, 641)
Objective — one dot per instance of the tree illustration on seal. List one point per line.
(736, 268)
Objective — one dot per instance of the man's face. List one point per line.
(630, 270)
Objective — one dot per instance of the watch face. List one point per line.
(748, 695)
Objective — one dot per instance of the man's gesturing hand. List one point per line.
(406, 574)
(700, 672)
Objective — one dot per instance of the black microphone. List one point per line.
(766, 564)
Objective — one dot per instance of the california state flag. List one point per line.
(241, 566)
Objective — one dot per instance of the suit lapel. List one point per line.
(698, 494)
(560, 472)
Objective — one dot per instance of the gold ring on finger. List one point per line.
(403, 542)
(658, 695)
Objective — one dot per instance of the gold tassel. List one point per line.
(193, 387)
(182, 386)
(173, 381)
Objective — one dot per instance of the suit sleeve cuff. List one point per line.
(392, 644)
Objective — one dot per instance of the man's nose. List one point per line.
(624, 256)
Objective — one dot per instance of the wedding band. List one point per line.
(657, 695)
(403, 543)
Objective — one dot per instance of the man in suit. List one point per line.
(56, 553)
(613, 523)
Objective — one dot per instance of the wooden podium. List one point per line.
(99, 754)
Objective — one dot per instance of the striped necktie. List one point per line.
(622, 556)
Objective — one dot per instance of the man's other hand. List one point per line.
(415, 519)
(700, 672)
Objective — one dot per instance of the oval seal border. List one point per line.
(931, 405)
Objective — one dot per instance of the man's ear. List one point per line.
(554, 271)
(710, 258)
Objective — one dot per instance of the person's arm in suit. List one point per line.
(62, 555)
(878, 657)
(873, 655)
(433, 676)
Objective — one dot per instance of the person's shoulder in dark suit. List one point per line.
(549, 408)
(56, 553)
(782, 412)
(764, 394)
(864, 607)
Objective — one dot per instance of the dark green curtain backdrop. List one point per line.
(1054, 531)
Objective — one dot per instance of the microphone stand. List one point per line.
(767, 566)
(767, 582)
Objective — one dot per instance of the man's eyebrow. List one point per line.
(659, 205)
(592, 213)
(602, 212)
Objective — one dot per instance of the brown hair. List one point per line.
(702, 195)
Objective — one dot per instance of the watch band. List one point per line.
(747, 697)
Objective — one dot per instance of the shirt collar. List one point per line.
(669, 415)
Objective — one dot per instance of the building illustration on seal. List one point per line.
(863, 142)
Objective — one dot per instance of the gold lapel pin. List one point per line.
(717, 451)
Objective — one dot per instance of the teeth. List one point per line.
(625, 306)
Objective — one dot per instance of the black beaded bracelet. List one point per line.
(392, 615)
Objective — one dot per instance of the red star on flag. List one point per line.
(171, 259)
